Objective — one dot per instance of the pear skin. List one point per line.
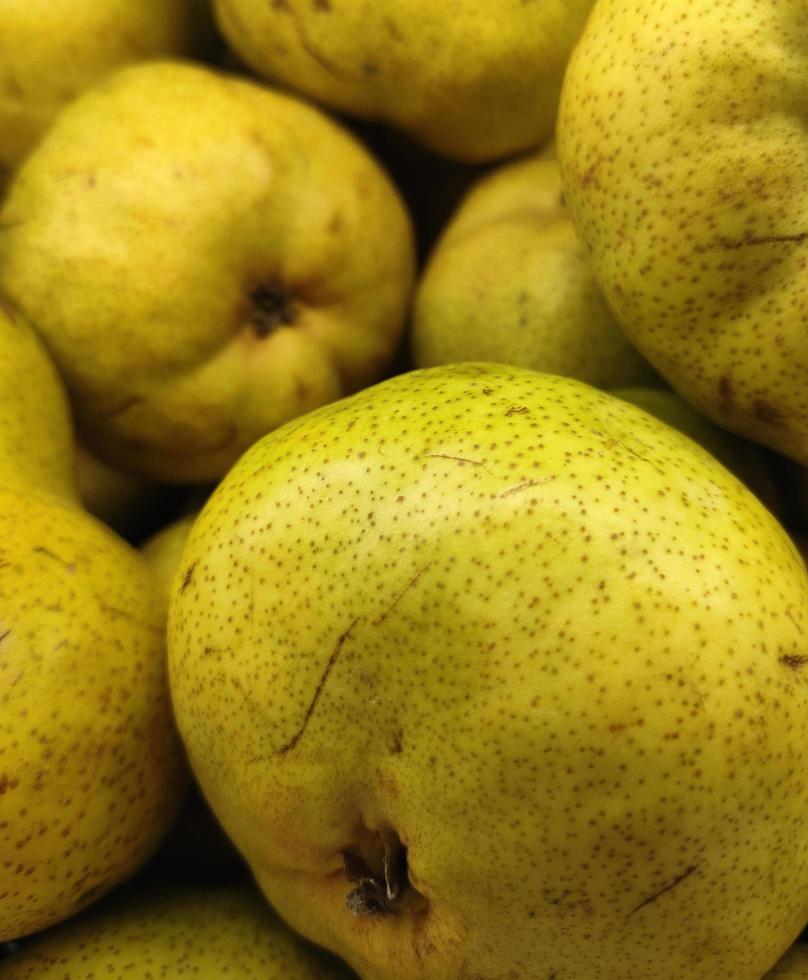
(508, 281)
(36, 433)
(164, 932)
(490, 674)
(745, 459)
(471, 81)
(51, 50)
(684, 153)
(205, 259)
(91, 769)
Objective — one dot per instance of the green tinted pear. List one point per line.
(488, 673)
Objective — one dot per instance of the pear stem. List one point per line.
(271, 308)
(381, 891)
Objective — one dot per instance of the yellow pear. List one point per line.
(469, 80)
(205, 259)
(684, 154)
(793, 966)
(490, 674)
(91, 770)
(50, 50)
(36, 435)
(165, 932)
(745, 459)
(508, 281)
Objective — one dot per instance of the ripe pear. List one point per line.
(36, 434)
(469, 80)
(91, 769)
(163, 932)
(490, 674)
(793, 966)
(508, 281)
(684, 153)
(51, 50)
(745, 459)
(205, 259)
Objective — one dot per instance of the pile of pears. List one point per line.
(403, 495)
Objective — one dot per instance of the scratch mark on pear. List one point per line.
(246, 697)
(69, 565)
(318, 691)
(458, 459)
(118, 613)
(636, 455)
(665, 888)
(251, 611)
(732, 244)
(187, 578)
(525, 484)
(401, 594)
(309, 46)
